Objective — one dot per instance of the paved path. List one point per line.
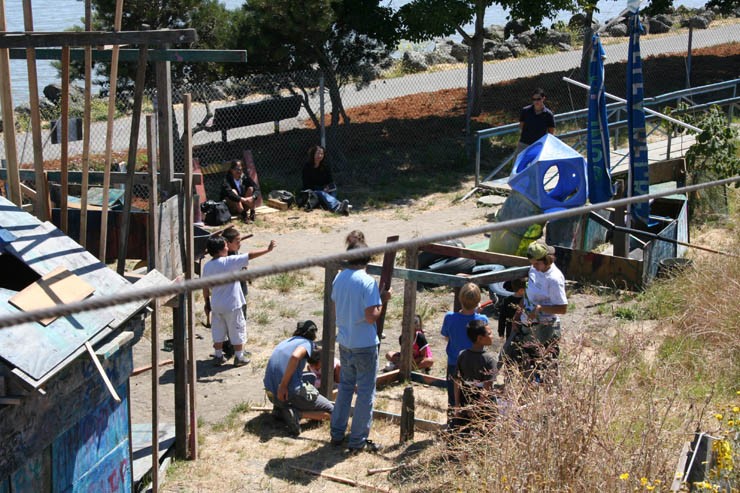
(386, 89)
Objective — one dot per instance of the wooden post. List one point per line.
(181, 378)
(190, 272)
(86, 123)
(386, 276)
(620, 239)
(329, 336)
(153, 230)
(164, 125)
(6, 100)
(456, 306)
(409, 311)
(113, 80)
(133, 147)
(407, 414)
(153, 262)
(40, 209)
(63, 210)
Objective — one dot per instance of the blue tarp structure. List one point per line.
(533, 164)
(599, 178)
(639, 178)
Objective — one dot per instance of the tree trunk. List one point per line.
(476, 45)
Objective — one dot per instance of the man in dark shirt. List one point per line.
(535, 121)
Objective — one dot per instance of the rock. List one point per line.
(459, 52)
(707, 14)
(554, 38)
(495, 32)
(514, 27)
(413, 61)
(525, 39)
(23, 109)
(439, 56)
(696, 22)
(489, 45)
(665, 19)
(516, 48)
(501, 52)
(488, 57)
(53, 93)
(617, 30)
(657, 27)
(564, 47)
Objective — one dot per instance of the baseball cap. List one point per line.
(537, 251)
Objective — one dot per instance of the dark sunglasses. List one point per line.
(536, 99)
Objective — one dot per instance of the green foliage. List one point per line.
(716, 148)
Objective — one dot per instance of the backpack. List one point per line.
(216, 213)
(307, 199)
(283, 196)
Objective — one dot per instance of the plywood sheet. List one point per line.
(58, 287)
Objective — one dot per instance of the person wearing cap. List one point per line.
(291, 396)
(358, 302)
(543, 302)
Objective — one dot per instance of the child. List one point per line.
(312, 374)
(422, 354)
(510, 305)
(228, 299)
(476, 369)
(454, 330)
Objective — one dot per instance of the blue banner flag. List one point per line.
(639, 177)
(599, 177)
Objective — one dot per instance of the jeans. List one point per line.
(359, 367)
(328, 200)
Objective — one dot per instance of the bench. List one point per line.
(243, 115)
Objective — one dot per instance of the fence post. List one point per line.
(329, 335)
(688, 58)
(469, 102)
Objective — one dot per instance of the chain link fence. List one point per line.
(401, 123)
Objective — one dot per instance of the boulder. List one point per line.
(516, 48)
(696, 22)
(665, 19)
(617, 31)
(563, 47)
(554, 38)
(413, 61)
(524, 39)
(440, 55)
(657, 27)
(494, 31)
(514, 27)
(459, 52)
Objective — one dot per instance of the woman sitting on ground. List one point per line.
(317, 177)
(239, 191)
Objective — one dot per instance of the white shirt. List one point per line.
(544, 288)
(226, 297)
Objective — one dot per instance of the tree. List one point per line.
(426, 19)
(343, 39)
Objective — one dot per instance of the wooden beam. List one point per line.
(8, 117)
(386, 276)
(451, 279)
(95, 177)
(101, 371)
(164, 123)
(409, 313)
(132, 55)
(64, 161)
(96, 38)
(329, 334)
(480, 255)
(86, 123)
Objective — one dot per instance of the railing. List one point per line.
(614, 114)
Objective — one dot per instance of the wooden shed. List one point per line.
(62, 427)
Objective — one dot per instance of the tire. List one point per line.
(428, 258)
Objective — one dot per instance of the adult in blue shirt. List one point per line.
(358, 303)
(291, 397)
(535, 120)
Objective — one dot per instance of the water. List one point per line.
(57, 15)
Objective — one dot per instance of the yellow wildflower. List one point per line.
(736, 409)
(718, 416)
(643, 481)
(649, 487)
(624, 476)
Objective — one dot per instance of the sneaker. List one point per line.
(337, 442)
(389, 367)
(292, 420)
(344, 208)
(368, 446)
(220, 361)
(240, 362)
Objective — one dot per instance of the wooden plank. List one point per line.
(386, 275)
(133, 147)
(58, 287)
(64, 162)
(409, 313)
(95, 177)
(451, 279)
(132, 55)
(329, 334)
(10, 401)
(41, 210)
(164, 125)
(481, 256)
(277, 204)
(8, 118)
(419, 424)
(109, 349)
(96, 38)
(428, 380)
(86, 126)
(190, 272)
(101, 372)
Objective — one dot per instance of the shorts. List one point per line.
(305, 399)
(232, 324)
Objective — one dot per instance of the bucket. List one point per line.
(673, 266)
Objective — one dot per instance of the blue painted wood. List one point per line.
(111, 475)
(5, 485)
(33, 425)
(85, 446)
(30, 477)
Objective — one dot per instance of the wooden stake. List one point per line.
(370, 472)
(63, 211)
(329, 335)
(409, 312)
(190, 271)
(86, 124)
(153, 229)
(339, 479)
(133, 147)
(152, 259)
(113, 82)
(40, 202)
(386, 275)
(408, 409)
(6, 100)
